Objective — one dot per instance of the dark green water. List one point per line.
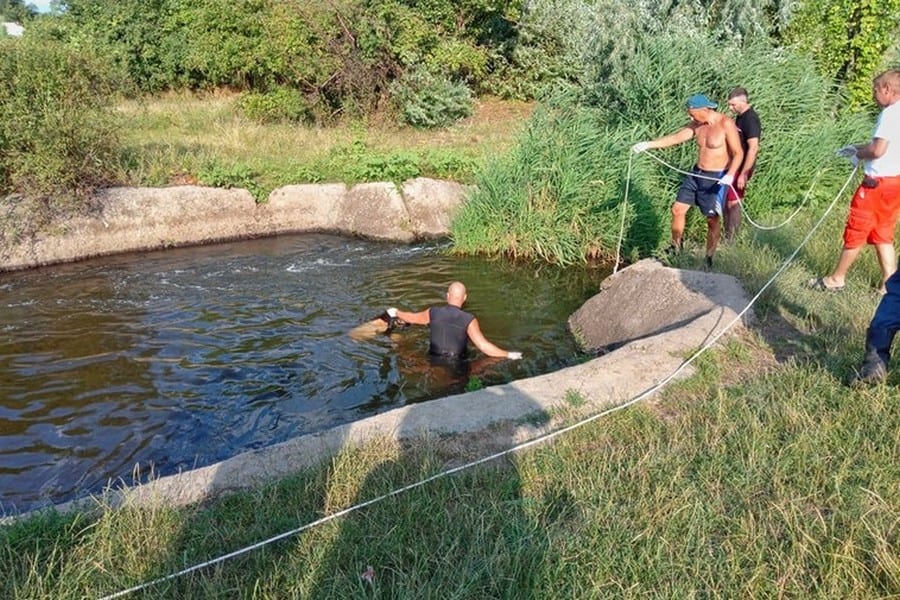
(179, 359)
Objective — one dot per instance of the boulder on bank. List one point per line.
(648, 298)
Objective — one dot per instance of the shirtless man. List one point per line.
(720, 156)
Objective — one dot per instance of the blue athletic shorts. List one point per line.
(703, 192)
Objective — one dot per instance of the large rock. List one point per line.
(309, 207)
(648, 299)
(375, 210)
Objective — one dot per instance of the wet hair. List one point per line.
(738, 91)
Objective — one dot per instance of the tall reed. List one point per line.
(557, 196)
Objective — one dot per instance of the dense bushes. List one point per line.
(426, 100)
(340, 57)
(343, 57)
(848, 39)
(558, 196)
(56, 134)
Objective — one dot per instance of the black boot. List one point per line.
(877, 358)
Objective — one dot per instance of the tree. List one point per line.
(848, 40)
(16, 10)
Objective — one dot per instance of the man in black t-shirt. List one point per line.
(451, 327)
(748, 125)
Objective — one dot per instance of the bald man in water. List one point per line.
(719, 157)
(451, 327)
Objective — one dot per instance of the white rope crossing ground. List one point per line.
(743, 206)
(533, 442)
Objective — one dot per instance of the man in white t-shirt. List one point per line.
(882, 157)
(876, 203)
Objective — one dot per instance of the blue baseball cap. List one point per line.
(699, 101)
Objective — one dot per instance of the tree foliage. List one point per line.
(16, 11)
(340, 55)
(848, 39)
(56, 134)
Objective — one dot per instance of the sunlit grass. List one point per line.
(176, 138)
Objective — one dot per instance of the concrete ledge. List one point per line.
(140, 219)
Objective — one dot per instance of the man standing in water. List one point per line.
(451, 327)
(750, 130)
(719, 158)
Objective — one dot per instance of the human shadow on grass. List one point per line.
(471, 533)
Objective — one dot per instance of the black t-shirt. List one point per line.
(448, 326)
(749, 126)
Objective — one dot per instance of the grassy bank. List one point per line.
(188, 138)
(761, 476)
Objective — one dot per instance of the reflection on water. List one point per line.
(178, 359)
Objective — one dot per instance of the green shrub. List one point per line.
(443, 164)
(458, 60)
(427, 100)
(395, 166)
(279, 104)
(233, 176)
(58, 135)
(848, 39)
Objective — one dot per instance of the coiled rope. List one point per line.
(533, 442)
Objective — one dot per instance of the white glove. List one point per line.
(513, 355)
(846, 152)
(640, 147)
(727, 179)
(392, 312)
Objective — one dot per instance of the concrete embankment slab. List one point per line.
(141, 219)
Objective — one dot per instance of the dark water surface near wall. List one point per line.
(178, 359)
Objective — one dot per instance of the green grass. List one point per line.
(187, 138)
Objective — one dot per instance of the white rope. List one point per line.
(743, 207)
(624, 206)
(538, 440)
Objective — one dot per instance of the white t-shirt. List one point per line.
(887, 127)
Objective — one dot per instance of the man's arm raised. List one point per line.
(679, 137)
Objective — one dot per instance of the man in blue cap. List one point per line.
(719, 157)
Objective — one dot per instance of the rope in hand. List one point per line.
(744, 208)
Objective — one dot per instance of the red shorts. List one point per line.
(734, 193)
(873, 213)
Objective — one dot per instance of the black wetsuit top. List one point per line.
(448, 330)
(749, 127)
